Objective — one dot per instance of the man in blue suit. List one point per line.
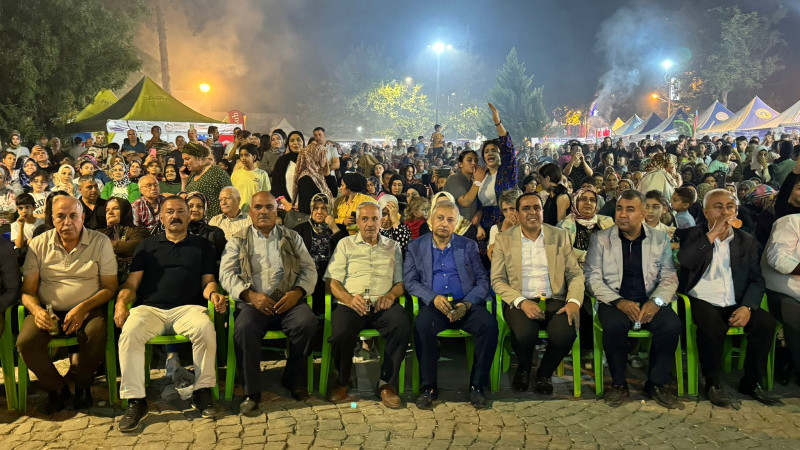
(442, 265)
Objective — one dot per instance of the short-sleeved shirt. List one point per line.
(210, 184)
(68, 278)
(173, 272)
(138, 148)
(248, 182)
(358, 265)
(458, 184)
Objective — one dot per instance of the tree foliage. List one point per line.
(57, 55)
(397, 109)
(520, 104)
(744, 56)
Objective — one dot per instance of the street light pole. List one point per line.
(438, 66)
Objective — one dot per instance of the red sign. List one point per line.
(235, 116)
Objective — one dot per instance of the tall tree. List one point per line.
(397, 110)
(520, 104)
(745, 54)
(161, 26)
(53, 64)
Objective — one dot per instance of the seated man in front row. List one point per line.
(629, 270)
(269, 272)
(530, 261)
(439, 265)
(726, 295)
(368, 261)
(171, 280)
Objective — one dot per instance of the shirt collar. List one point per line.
(382, 240)
(449, 244)
(537, 240)
(259, 235)
(641, 237)
(83, 241)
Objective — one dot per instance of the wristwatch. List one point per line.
(477, 183)
(658, 301)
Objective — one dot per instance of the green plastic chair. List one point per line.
(470, 345)
(7, 360)
(168, 339)
(641, 334)
(692, 355)
(111, 358)
(504, 352)
(325, 366)
(230, 372)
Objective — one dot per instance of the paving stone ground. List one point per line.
(513, 420)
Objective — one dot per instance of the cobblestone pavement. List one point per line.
(512, 421)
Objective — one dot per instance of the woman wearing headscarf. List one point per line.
(397, 188)
(392, 225)
(312, 177)
(63, 180)
(583, 221)
(759, 165)
(123, 234)
(135, 171)
(198, 224)
(87, 165)
(351, 194)
(283, 173)
(660, 175)
(321, 234)
(463, 226)
(374, 187)
(22, 185)
(171, 184)
(271, 148)
(8, 200)
(200, 174)
(120, 185)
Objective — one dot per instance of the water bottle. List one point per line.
(450, 302)
(369, 300)
(543, 302)
(53, 321)
(637, 326)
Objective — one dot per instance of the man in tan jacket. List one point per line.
(530, 262)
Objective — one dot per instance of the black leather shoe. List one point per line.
(663, 396)
(249, 406)
(299, 393)
(82, 399)
(616, 395)
(476, 397)
(522, 380)
(758, 393)
(203, 402)
(544, 386)
(56, 401)
(132, 418)
(426, 398)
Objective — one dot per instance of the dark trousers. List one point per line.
(666, 328)
(478, 322)
(525, 335)
(299, 325)
(787, 310)
(392, 324)
(32, 345)
(712, 327)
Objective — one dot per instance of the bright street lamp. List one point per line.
(438, 48)
(359, 129)
(667, 64)
(409, 80)
(204, 87)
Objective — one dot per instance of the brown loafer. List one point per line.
(337, 394)
(389, 397)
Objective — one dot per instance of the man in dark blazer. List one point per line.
(721, 275)
(442, 265)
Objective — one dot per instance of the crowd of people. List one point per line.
(559, 233)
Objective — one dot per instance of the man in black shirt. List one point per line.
(94, 207)
(172, 276)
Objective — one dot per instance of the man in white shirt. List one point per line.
(726, 295)
(232, 219)
(531, 262)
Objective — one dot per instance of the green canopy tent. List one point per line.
(102, 100)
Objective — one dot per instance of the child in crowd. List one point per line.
(40, 182)
(22, 228)
(247, 177)
(417, 214)
(682, 199)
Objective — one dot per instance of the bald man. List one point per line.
(232, 219)
(269, 272)
(73, 270)
(147, 208)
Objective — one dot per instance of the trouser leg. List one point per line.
(300, 325)
(712, 327)
(250, 326)
(32, 346)
(562, 336)
(346, 324)
(144, 323)
(615, 341)
(666, 329)
(483, 327)
(192, 321)
(787, 310)
(395, 329)
(92, 343)
(430, 322)
(524, 335)
(760, 334)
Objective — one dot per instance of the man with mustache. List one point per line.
(532, 261)
(269, 272)
(171, 279)
(444, 271)
(368, 262)
(629, 270)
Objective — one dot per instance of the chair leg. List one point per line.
(496, 365)
(771, 363)
(679, 367)
(325, 365)
(7, 360)
(414, 372)
(470, 344)
(309, 373)
(598, 362)
(576, 367)
(230, 368)
(742, 352)
(727, 355)
(692, 369)
(111, 370)
(22, 391)
(148, 356)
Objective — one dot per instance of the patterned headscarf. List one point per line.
(195, 227)
(659, 161)
(702, 190)
(312, 161)
(759, 195)
(578, 216)
(125, 181)
(24, 179)
(462, 224)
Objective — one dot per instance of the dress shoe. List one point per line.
(82, 399)
(476, 397)
(616, 395)
(522, 380)
(718, 397)
(203, 402)
(426, 398)
(132, 418)
(758, 393)
(389, 397)
(338, 394)
(662, 396)
(299, 393)
(56, 401)
(544, 386)
(249, 406)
